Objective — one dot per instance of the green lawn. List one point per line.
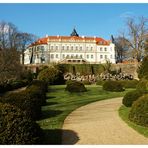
(123, 113)
(60, 103)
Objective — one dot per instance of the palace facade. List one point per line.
(70, 49)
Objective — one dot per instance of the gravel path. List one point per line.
(99, 123)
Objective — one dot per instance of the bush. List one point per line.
(142, 85)
(130, 97)
(129, 83)
(139, 111)
(143, 69)
(52, 75)
(15, 84)
(113, 86)
(74, 86)
(25, 101)
(37, 89)
(16, 127)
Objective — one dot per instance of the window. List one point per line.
(63, 56)
(105, 49)
(80, 48)
(56, 55)
(76, 47)
(100, 48)
(52, 56)
(81, 56)
(56, 47)
(76, 56)
(71, 47)
(87, 56)
(62, 47)
(92, 56)
(111, 56)
(105, 56)
(67, 47)
(86, 48)
(72, 56)
(67, 56)
(51, 47)
(91, 48)
(101, 56)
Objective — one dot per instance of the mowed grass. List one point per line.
(124, 113)
(60, 103)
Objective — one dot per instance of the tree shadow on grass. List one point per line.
(50, 113)
(54, 137)
(50, 103)
(50, 97)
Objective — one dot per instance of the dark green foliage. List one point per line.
(52, 75)
(139, 111)
(16, 127)
(142, 85)
(27, 75)
(29, 100)
(25, 101)
(130, 97)
(74, 86)
(15, 84)
(143, 69)
(113, 86)
(129, 83)
(83, 69)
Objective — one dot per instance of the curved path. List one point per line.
(99, 123)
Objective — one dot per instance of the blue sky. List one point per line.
(59, 19)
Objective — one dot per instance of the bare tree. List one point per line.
(8, 34)
(9, 64)
(23, 40)
(137, 30)
(121, 46)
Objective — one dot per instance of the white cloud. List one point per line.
(127, 14)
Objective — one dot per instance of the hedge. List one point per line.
(139, 111)
(75, 86)
(113, 86)
(131, 96)
(17, 127)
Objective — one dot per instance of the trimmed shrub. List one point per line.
(142, 85)
(113, 86)
(16, 127)
(130, 97)
(25, 101)
(129, 83)
(143, 69)
(139, 111)
(51, 75)
(74, 86)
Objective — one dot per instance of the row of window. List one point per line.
(52, 56)
(76, 48)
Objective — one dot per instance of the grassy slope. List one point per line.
(60, 103)
(123, 113)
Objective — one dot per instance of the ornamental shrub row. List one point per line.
(18, 112)
(16, 127)
(113, 86)
(29, 100)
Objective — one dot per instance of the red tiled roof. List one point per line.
(44, 40)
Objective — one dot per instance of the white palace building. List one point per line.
(70, 49)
